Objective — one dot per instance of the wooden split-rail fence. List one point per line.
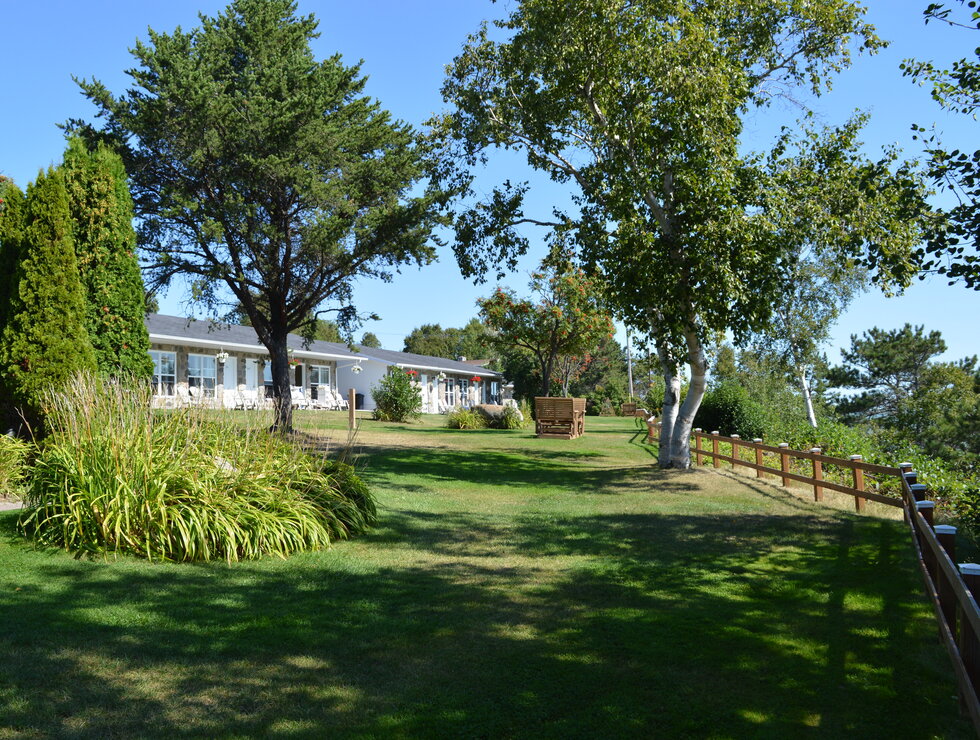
(951, 587)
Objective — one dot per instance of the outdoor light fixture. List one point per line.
(356, 369)
(221, 357)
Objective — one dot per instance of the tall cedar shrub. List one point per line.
(105, 247)
(44, 341)
(11, 237)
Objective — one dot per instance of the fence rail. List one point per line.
(950, 587)
(817, 478)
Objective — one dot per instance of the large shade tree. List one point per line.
(263, 176)
(637, 105)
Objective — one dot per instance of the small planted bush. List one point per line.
(114, 476)
(396, 397)
(498, 417)
(729, 410)
(465, 419)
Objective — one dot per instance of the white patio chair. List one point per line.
(342, 404)
(298, 397)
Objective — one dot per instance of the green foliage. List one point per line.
(954, 239)
(262, 172)
(12, 223)
(44, 341)
(105, 246)
(472, 341)
(728, 409)
(494, 417)
(638, 108)
(115, 477)
(888, 367)
(397, 397)
(465, 419)
(370, 340)
(13, 466)
(568, 318)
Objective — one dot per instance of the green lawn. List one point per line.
(516, 587)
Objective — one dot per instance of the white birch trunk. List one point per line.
(680, 439)
(672, 392)
(807, 397)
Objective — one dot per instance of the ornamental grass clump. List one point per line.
(188, 485)
(465, 419)
(13, 464)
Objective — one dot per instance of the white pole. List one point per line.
(629, 361)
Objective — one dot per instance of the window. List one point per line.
(463, 392)
(202, 374)
(164, 372)
(450, 393)
(267, 378)
(493, 392)
(319, 377)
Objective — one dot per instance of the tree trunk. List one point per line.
(807, 397)
(547, 367)
(672, 392)
(680, 441)
(283, 422)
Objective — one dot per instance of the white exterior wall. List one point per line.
(371, 374)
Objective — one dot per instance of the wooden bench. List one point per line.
(559, 418)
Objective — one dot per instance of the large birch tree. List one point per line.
(638, 106)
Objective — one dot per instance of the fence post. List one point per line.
(714, 447)
(758, 458)
(697, 446)
(859, 501)
(784, 461)
(947, 599)
(817, 475)
(350, 409)
(969, 646)
(735, 451)
(927, 509)
(918, 491)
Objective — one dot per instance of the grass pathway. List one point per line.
(516, 588)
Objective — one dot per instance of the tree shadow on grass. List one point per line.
(621, 625)
(389, 467)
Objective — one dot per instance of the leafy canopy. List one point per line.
(568, 318)
(954, 241)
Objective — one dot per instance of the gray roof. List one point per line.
(408, 359)
(204, 330)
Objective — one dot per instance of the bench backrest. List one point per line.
(546, 407)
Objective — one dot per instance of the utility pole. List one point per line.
(629, 361)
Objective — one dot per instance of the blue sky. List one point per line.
(405, 47)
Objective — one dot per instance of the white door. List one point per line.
(251, 374)
(231, 381)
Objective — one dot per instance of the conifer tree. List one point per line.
(11, 232)
(44, 341)
(11, 235)
(105, 246)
